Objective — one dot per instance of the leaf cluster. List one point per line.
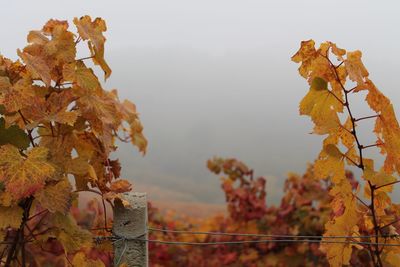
(58, 129)
(327, 104)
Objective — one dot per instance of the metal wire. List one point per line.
(116, 238)
(265, 235)
(260, 241)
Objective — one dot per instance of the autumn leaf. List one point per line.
(355, 68)
(83, 76)
(321, 105)
(93, 31)
(71, 236)
(6, 198)
(115, 167)
(387, 128)
(56, 197)
(306, 54)
(4, 83)
(121, 186)
(62, 45)
(13, 135)
(23, 176)
(53, 109)
(10, 217)
(130, 115)
(37, 66)
(81, 260)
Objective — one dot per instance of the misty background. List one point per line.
(214, 78)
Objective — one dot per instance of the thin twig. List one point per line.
(368, 117)
(388, 184)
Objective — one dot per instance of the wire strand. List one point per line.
(263, 235)
(260, 241)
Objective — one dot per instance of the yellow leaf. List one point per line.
(98, 59)
(92, 173)
(48, 28)
(330, 163)
(78, 166)
(52, 109)
(81, 260)
(305, 55)
(56, 197)
(4, 83)
(343, 225)
(19, 96)
(339, 52)
(10, 217)
(82, 75)
(137, 137)
(377, 178)
(355, 68)
(6, 199)
(121, 186)
(387, 128)
(37, 37)
(345, 134)
(375, 99)
(62, 45)
(392, 259)
(322, 106)
(129, 114)
(23, 176)
(93, 31)
(70, 235)
(37, 66)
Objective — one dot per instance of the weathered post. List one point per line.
(131, 222)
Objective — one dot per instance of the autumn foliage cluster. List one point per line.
(58, 129)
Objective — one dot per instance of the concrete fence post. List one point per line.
(131, 222)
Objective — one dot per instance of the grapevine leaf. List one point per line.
(56, 197)
(115, 167)
(305, 55)
(330, 163)
(4, 83)
(80, 259)
(344, 224)
(23, 176)
(355, 68)
(121, 186)
(6, 198)
(93, 31)
(377, 178)
(61, 47)
(129, 113)
(375, 99)
(37, 66)
(82, 75)
(78, 166)
(388, 129)
(13, 135)
(70, 235)
(2, 109)
(10, 217)
(53, 109)
(321, 105)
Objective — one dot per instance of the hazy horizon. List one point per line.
(214, 78)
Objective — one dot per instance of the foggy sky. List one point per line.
(214, 78)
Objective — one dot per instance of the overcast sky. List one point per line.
(215, 78)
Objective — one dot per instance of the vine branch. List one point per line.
(360, 147)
